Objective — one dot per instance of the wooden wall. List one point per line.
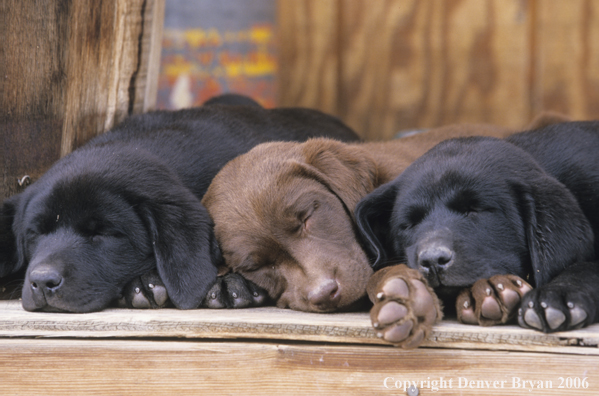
(69, 70)
(390, 65)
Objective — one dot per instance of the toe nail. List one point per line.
(255, 294)
(544, 305)
(213, 296)
(570, 305)
(466, 304)
(531, 304)
(234, 295)
(519, 311)
(379, 335)
(137, 290)
(380, 295)
(488, 291)
(150, 286)
(500, 286)
(375, 324)
(519, 282)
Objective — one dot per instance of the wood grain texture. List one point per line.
(277, 324)
(308, 53)
(71, 70)
(405, 64)
(132, 367)
(413, 64)
(567, 57)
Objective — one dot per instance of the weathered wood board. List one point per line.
(69, 71)
(390, 65)
(276, 324)
(140, 367)
(268, 350)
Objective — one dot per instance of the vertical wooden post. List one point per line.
(69, 70)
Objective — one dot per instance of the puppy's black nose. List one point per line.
(45, 279)
(435, 255)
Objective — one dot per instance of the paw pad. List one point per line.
(491, 301)
(405, 308)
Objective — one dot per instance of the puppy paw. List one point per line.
(234, 291)
(491, 301)
(146, 291)
(551, 308)
(405, 307)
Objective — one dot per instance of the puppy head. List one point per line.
(472, 208)
(84, 231)
(283, 216)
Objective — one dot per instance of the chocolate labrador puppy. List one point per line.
(127, 204)
(477, 218)
(284, 214)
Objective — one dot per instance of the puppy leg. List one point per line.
(234, 291)
(405, 307)
(491, 301)
(146, 291)
(568, 302)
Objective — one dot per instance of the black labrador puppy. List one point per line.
(478, 217)
(127, 203)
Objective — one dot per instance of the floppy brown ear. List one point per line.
(346, 169)
(558, 233)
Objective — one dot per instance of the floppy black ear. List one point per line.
(8, 242)
(373, 218)
(184, 246)
(557, 232)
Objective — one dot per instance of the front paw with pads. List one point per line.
(234, 291)
(146, 291)
(405, 307)
(491, 301)
(551, 309)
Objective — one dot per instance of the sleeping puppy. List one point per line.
(481, 218)
(283, 214)
(128, 203)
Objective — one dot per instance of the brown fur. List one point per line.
(283, 213)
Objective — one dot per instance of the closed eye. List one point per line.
(250, 265)
(466, 202)
(308, 219)
(414, 216)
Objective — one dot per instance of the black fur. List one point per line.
(128, 202)
(476, 207)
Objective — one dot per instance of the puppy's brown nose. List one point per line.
(325, 295)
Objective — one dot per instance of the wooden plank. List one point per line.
(424, 63)
(567, 58)
(277, 324)
(70, 70)
(83, 367)
(308, 54)
(108, 44)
